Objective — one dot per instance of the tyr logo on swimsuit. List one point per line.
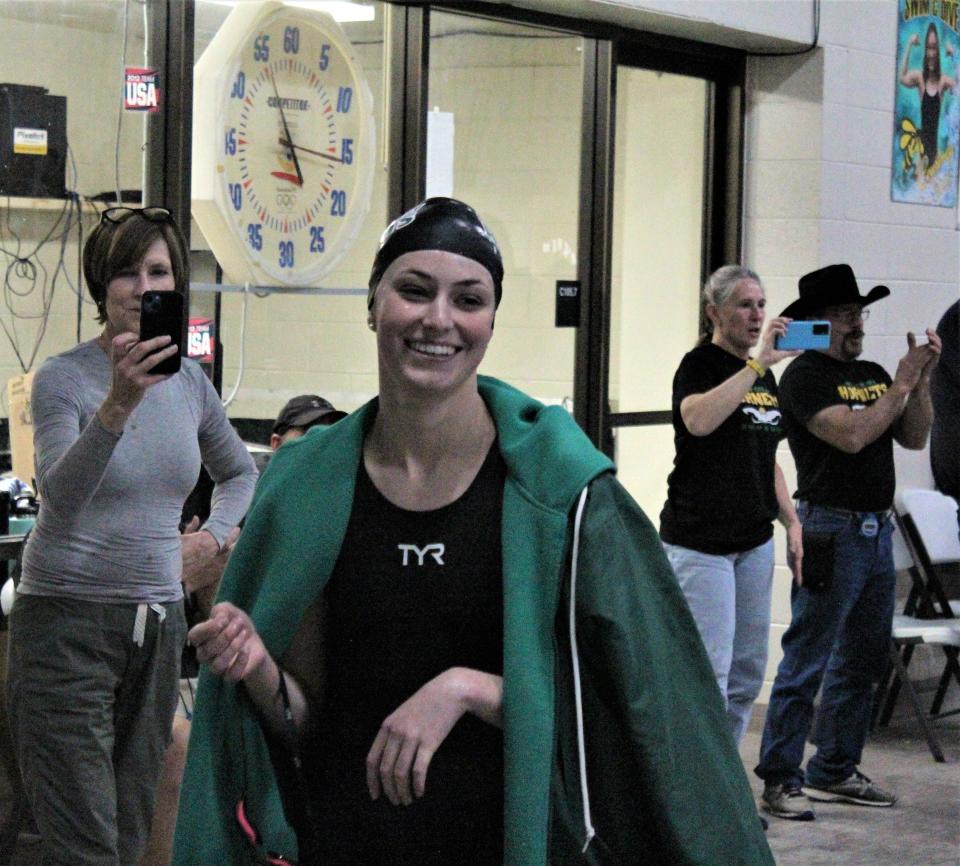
(436, 550)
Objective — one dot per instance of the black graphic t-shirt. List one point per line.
(412, 594)
(720, 495)
(945, 393)
(827, 475)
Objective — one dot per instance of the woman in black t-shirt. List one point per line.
(726, 488)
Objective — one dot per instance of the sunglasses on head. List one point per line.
(117, 215)
(264, 858)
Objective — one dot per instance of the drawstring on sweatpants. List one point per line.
(140, 621)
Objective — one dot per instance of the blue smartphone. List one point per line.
(805, 335)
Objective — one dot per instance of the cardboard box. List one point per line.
(21, 427)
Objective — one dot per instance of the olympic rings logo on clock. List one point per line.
(286, 200)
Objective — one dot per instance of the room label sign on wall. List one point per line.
(568, 304)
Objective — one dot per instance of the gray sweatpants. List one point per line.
(90, 714)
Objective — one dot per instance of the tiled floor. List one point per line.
(922, 829)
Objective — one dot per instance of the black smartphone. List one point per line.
(818, 555)
(162, 313)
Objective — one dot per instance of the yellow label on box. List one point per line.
(30, 141)
(21, 427)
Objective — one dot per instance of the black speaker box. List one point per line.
(33, 142)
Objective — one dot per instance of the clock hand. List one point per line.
(286, 131)
(292, 146)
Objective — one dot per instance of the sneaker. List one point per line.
(786, 801)
(855, 789)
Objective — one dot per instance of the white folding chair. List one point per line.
(909, 631)
(929, 521)
(889, 688)
(925, 536)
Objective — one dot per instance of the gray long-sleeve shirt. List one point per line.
(111, 505)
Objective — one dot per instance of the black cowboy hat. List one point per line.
(831, 286)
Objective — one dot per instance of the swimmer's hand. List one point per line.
(228, 643)
(409, 737)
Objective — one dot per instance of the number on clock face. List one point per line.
(293, 127)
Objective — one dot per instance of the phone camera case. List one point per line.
(805, 335)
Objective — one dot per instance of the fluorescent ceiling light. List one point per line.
(339, 10)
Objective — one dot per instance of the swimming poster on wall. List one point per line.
(927, 108)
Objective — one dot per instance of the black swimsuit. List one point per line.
(929, 125)
(412, 594)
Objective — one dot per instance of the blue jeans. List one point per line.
(729, 597)
(839, 636)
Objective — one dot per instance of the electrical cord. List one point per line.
(123, 67)
(24, 275)
(243, 342)
(144, 125)
(77, 290)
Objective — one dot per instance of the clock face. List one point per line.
(294, 142)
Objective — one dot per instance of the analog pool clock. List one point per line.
(283, 145)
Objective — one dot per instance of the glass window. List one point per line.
(657, 233)
(644, 458)
(504, 127)
(656, 262)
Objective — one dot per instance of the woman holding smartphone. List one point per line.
(726, 487)
(448, 606)
(98, 626)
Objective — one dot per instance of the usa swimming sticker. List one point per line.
(200, 340)
(141, 89)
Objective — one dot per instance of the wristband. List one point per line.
(757, 367)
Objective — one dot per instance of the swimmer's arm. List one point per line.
(229, 644)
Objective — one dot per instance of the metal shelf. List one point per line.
(16, 202)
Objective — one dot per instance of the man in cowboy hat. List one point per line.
(841, 415)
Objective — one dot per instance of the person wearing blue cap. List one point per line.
(448, 634)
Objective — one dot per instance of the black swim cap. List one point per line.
(439, 224)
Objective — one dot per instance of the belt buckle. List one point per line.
(869, 525)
